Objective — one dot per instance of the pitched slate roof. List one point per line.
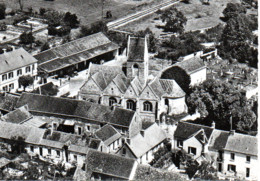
(122, 82)
(46, 89)
(108, 164)
(15, 59)
(8, 102)
(108, 134)
(153, 135)
(136, 86)
(191, 65)
(166, 87)
(240, 143)
(17, 116)
(76, 108)
(39, 136)
(74, 52)
(136, 49)
(186, 130)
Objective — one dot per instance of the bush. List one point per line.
(2, 11)
(3, 26)
(42, 11)
(26, 38)
(45, 46)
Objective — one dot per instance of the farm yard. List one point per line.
(88, 11)
(199, 16)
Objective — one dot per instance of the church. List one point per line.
(130, 87)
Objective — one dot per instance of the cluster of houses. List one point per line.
(113, 125)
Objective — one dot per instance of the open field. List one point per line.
(199, 16)
(88, 11)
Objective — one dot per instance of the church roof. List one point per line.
(166, 87)
(136, 49)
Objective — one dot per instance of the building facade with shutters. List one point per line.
(13, 65)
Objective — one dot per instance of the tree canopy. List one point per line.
(220, 101)
(175, 20)
(26, 38)
(179, 75)
(233, 9)
(25, 81)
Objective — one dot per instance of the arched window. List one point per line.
(130, 104)
(135, 70)
(166, 102)
(112, 101)
(148, 106)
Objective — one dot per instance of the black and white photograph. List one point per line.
(138, 90)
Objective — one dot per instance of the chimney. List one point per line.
(213, 124)
(142, 132)
(231, 132)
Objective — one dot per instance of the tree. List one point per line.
(221, 102)
(175, 20)
(26, 38)
(206, 171)
(25, 81)
(71, 20)
(233, 9)
(17, 144)
(96, 27)
(2, 11)
(179, 75)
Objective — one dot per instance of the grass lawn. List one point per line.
(88, 11)
(209, 16)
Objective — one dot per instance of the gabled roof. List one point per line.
(110, 165)
(8, 102)
(17, 116)
(15, 59)
(166, 87)
(136, 86)
(191, 65)
(108, 134)
(186, 130)
(76, 109)
(140, 144)
(240, 143)
(46, 89)
(122, 82)
(136, 49)
(74, 52)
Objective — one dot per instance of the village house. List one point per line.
(234, 154)
(76, 55)
(143, 146)
(78, 117)
(13, 65)
(103, 166)
(49, 144)
(130, 87)
(111, 138)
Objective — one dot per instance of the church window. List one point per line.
(148, 106)
(135, 70)
(112, 101)
(130, 104)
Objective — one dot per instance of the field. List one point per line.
(88, 11)
(199, 16)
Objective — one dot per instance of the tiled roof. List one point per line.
(108, 134)
(46, 89)
(136, 49)
(15, 59)
(99, 80)
(240, 143)
(122, 82)
(191, 65)
(136, 86)
(153, 136)
(108, 164)
(185, 130)
(74, 52)
(76, 108)
(17, 116)
(166, 87)
(4, 161)
(8, 102)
